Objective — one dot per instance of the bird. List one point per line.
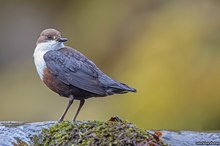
(69, 73)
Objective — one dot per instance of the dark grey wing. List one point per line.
(72, 71)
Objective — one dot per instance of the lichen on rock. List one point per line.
(95, 133)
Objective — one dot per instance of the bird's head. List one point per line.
(51, 38)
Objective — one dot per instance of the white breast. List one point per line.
(39, 52)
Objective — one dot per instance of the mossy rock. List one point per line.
(79, 133)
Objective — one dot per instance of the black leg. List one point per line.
(71, 98)
(79, 108)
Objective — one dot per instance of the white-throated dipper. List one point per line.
(69, 73)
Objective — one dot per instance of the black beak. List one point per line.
(62, 39)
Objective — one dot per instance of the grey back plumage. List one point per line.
(73, 68)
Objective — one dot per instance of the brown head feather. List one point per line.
(48, 34)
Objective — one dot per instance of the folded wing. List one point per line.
(74, 71)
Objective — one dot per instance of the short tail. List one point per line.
(127, 88)
(120, 88)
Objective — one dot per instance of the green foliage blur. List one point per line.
(168, 50)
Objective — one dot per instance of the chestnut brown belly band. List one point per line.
(63, 89)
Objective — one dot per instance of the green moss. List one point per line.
(95, 133)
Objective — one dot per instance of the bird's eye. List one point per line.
(50, 37)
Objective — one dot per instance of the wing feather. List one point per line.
(74, 71)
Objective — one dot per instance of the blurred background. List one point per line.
(168, 50)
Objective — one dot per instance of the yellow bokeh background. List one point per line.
(168, 50)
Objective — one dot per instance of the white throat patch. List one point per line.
(39, 52)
